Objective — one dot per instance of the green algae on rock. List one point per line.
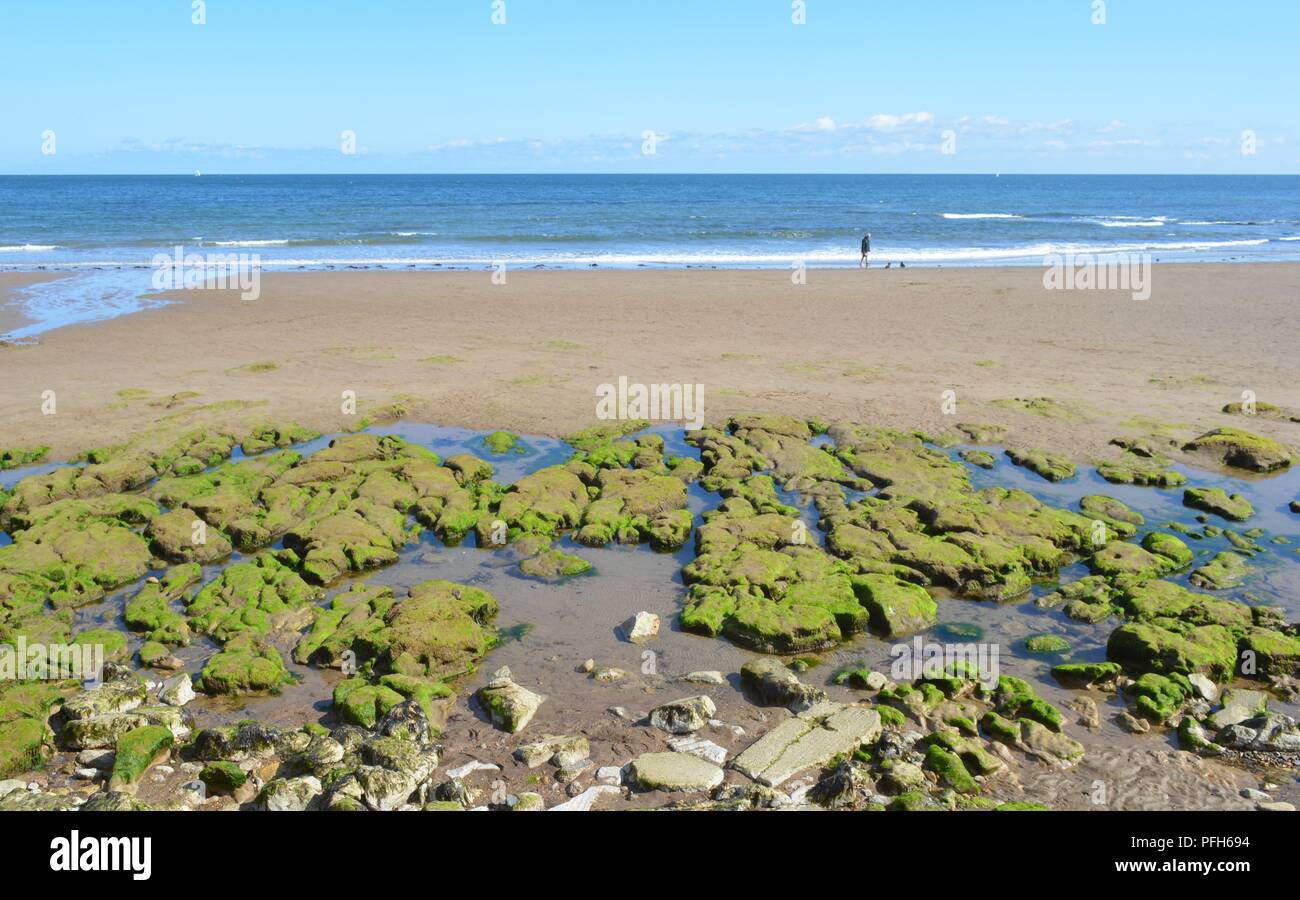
(69, 551)
(1169, 547)
(631, 505)
(1240, 449)
(262, 438)
(1114, 513)
(13, 457)
(150, 610)
(244, 666)
(1047, 643)
(1087, 673)
(1218, 501)
(1119, 558)
(510, 706)
(1040, 462)
(1135, 469)
(137, 750)
(896, 607)
(1225, 570)
(554, 565)
(254, 597)
(1158, 697)
(502, 442)
(982, 433)
(438, 631)
(981, 458)
(222, 777)
(25, 739)
(924, 525)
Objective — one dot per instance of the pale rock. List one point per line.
(290, 794)
(683, 716)
(472, 766)
(560, 749)
(699, 747)
(673, 772)
(810, 739)
(511, 706)
(383, 789)
(584, 801)
(1238, 706)
(641, 628)
(177, 690)
(708, 677)
(1204, 686)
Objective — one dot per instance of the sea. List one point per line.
(108, 231)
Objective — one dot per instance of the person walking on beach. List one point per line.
(866, 248)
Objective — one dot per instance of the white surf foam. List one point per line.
(981, 216)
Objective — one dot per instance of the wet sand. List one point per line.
(11, 313)
(881, 347)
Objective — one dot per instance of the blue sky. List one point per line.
(724, 85)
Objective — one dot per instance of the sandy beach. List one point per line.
(879, 347)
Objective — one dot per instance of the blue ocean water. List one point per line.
(102, 225)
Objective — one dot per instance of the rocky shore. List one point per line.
(232, 569)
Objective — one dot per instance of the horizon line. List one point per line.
(658, 174)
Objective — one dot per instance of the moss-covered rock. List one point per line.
(360, 703)
(439, 630)
(1086, 673)
(1015, 698)
(981, 458)
(182, 536)
(244, 667)
(1170, 547)
(554, 565)
(222, 777)
(137, 750)
(1270, 652)
(150, 610)
(251, 597)
(501, 442)
(950, 769)
(1218, 501)
(510, 706)
(1087, 599)
(1040, 462)
(269, 436)
(1239, 448)
(775, 627)
(1225, 570)
(1159, 697)
(363, 535)
(347, 625)
(1146, 472)
(1047, 644)
(109, 643)
(1121, 559)
(897, 608)
(1208, 649)
(1114, 513)
(13, 457)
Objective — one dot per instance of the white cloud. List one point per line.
(889, 122)
(821, 123)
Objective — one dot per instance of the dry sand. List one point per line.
(880, 347)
